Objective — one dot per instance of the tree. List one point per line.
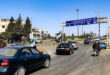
(48, 36)
(5, 35)
(72, 37)
(42, 34)
(27, 28)
(65, 37)
(11, 26)
(57, 40)
(16, 37)
(19, 26)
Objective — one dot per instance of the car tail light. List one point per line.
(5, 63)
(76, 45)
(57, 48)
(67, 48)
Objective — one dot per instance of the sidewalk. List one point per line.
(105, 52)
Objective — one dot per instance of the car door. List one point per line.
(28, 58)
(38, 57)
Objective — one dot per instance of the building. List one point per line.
(4, 24)
(37, 33)
(44, 33)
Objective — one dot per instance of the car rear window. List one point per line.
(63, 45)
(72, 42)
(8, 52)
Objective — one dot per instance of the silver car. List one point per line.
(75, 44)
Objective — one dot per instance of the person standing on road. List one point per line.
(96, 48)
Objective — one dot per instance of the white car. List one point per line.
(75, 44)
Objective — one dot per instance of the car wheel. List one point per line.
(47, 63)
(20, 71)
(70, 52)
(57, 53)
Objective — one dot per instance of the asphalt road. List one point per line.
(79, 63)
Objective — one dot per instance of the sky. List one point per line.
(49, 14)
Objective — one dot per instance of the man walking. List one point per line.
(96, 48)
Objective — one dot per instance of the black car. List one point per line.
(87, 41)
(16, 60)
(65, 48)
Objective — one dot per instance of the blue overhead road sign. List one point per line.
(82, 22)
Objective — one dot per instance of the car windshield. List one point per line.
(89, 38)
(63, 45)
(8, 52)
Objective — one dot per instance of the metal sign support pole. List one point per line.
(61, 29)
(99, 29)
(61, 34)
(82, 30)
(77, 10)
(108, 33)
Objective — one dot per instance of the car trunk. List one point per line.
(4, 58)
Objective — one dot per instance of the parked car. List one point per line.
(65, 48)
(37, 40)
(91, 40)
(96, 40)
(17, 60)
(102, 45)
(87, 41)
(75, 44)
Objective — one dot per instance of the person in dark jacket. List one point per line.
(96, 48)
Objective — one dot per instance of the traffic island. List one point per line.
(42, 50)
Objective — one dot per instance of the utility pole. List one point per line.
(82, 30)
(106, 20)
(99, 23)
(77, 10)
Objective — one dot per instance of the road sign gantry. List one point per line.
(87, 21)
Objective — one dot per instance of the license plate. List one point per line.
(61, 48)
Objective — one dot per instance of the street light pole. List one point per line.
(77, 10)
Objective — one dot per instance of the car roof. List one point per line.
(17, 47)
(72, 41)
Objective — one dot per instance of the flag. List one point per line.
(32, 43)
(58, 35)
